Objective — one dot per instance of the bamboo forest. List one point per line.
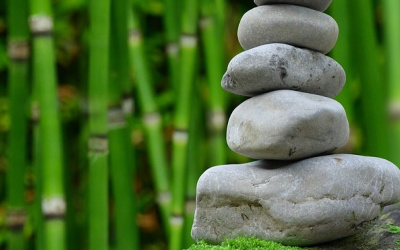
(111, 110)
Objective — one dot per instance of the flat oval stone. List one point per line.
(296, 203)
(287, 125)
(320, 5)
(279, 66)
(289, 24)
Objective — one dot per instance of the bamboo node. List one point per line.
(116, 118)
(394, 111)
(18, 50)
(206, 22)
(173, 48)
(176, 220)
(16, 220)
(152, 119)
(128, 106)
(190, 206)
(217, 120)
(54, 208)
(98, 144)
(35, 112)
(188, 40)
(41, 25)
(135, 36)
(180, 136)
(164, 197)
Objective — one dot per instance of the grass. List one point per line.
(242, 243)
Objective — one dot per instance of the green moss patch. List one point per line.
(242, 243)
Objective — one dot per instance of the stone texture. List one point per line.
(287, 125)
(280, 66)
(289, 24)
(375, 237)
(320, 5)
(296, 203)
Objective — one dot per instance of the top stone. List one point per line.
(289, 24)
(320, 5)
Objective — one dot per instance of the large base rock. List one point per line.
(296, 203)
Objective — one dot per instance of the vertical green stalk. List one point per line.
(339, 10)
(150, 116)
(197, 156)
(181, 120)
(211, 27)
(99, 18)
(373, 105)
(172, 29)
(44, 79)
(18, 50)
(121, 161)
(391, 26)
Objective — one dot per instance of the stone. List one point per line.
(298, 26)
(320, 5)
(287, 125)
(279, 66)
(298, 203)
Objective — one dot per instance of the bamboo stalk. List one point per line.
(44, 79)
(172, 29)
(211, 27)
(391, 27)
(150, 117)
(372, 89)
(99, 17)
(121, 161)
(181, 120)
(339, 10)
(18, 50)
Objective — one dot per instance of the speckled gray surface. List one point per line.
(287, 125)
(320, 5)
(289, 24)
(296, 203)
(280, 66)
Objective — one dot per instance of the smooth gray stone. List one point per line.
(320, 5)
(296, 203)
(287, 125)
(289, 24)
(280, 66)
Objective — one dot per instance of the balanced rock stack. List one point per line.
(298, 193)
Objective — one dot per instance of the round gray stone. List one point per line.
(279, 66)
(289, 24)
(296, 203)
(320, 5)
(287, 125)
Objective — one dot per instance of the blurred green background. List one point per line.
(160, 80)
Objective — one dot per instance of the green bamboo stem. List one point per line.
(181, 120)
(172, 30)
(391, 26)
(18, 50)
(339, 10)
(197, 156)
(150, 116)
(99, 17)
(214, 55)
(44, 79)
(372, 99)
(121, 161)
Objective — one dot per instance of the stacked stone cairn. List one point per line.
(298, 192)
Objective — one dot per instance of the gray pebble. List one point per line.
(287, 125)
(296, 203)
(279, 66)
(289, 24)
(320, 5)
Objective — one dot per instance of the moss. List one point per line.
(242, 243)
